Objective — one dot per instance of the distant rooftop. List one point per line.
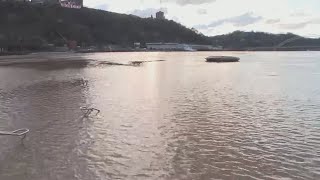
(64, 3)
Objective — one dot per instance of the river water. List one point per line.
(181, 118)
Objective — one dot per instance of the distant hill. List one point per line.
(240, 39)
(30, 25)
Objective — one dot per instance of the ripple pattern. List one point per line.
(178, 119)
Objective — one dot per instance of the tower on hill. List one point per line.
(160, 15)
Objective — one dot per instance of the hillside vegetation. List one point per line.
(240, 39)
(32, 25)
(24, 26)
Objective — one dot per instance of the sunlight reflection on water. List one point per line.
(177, 119)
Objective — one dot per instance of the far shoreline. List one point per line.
(86, 52)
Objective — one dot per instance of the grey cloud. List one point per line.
(315, 21)
(244, 20)
(189, 2)
(313, 35)
(299, 25)
(239, 21)
(272, 21)
(293, 25)
(299, 14)
(202, 11)
(147, 12)
(202, 26)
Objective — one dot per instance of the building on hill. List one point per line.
(180, 47)
(72, 3)
(14, 0)
(64, 3)
(160, 15)
(168, 47)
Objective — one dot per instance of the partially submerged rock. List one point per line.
(220, 59)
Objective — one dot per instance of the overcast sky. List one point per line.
(214, 17)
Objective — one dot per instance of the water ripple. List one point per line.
(178, 119)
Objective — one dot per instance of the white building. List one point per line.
(137, 45)
(77, 4)
(64, 3)
(179, 47)
(167, 46)
(204, 47)
(14, 0)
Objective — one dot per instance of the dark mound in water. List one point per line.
(219, 59)
(138, 63)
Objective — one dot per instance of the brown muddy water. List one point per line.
(181, 118)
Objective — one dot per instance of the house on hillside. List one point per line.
(14, 0)
(77, 4)
(64, 3)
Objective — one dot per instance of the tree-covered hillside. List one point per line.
(24, 26)
(240, 39)
(31, 25)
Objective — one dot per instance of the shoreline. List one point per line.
(47, 61)
(2, 54)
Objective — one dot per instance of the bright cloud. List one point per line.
(213, 17)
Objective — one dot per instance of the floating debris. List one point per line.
(83, 82)
(87, 111)
(19, 132)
